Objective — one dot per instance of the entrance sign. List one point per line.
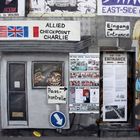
(84, 82)
(12, 8)
(56, 94)
(57, 119)
(40, 30)
(118, 29)
(119, 7)
(114, 87)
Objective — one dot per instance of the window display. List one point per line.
(47, 74)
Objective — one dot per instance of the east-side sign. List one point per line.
(40, 30)
(56, 94)
(117, 29)
(119, 7)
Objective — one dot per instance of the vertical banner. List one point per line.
(56, 7)
(12, 8)
(84, 82)
(114, 87)
(119, 7)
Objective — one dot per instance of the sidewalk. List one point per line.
(69, 138)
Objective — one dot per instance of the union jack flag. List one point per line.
(17, 31)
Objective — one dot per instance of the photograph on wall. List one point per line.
(47, 74)
(10, 8)
(63, 6)
(114, 87)
(84, 82)
(115, 112)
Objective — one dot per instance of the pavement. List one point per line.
(68, 138)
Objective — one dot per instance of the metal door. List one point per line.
(17, 103)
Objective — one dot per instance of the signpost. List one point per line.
(57, 119)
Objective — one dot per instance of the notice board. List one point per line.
(117, 86)
(84, 82)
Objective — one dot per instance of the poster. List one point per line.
(59, 7)
(47, 74)
(119, 7)
(40, 30)
(12, 8)
(84, 82)
(114, 87)
(56, 94)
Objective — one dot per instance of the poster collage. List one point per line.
(84, 82)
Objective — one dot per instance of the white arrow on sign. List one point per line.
(59, 121)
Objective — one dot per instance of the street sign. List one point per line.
(57, 119)
(117, 29)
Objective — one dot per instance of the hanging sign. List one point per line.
(119, 7)
(114, 87)
(56, 94)
(84, 82)
(118, 29)
(40, 30)
(12, 8)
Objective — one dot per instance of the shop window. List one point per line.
(47, 74)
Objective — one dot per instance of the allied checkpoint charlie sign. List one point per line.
(40, 30)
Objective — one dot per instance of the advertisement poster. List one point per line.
(119, 7)
(12, 8)
(80, 7)
(117, 29)
(84, 82)
(56, 94)
(40, 30)
(115, 87)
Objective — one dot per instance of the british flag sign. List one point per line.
(14, 31)
(17, 31)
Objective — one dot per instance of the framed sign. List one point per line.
(12, 8)
(84, 82)
(47, 74)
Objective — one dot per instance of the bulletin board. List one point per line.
(84, 82)
(117, 86)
